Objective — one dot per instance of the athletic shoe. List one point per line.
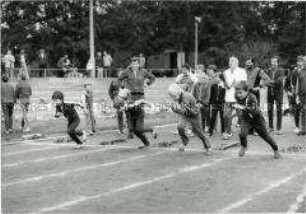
(301, 133)
(27, 129)
(182, 148)
(230, 135)
(255, 133)
(277, 155)
(296, 130)
(242, 151)
(84, 136)
(78, 146)
(208, 151)
(225, 137)
(143, 147)
(279, 132)
(271, 130)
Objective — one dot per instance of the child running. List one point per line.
(185, 106)
(251, 118)
(69, 111)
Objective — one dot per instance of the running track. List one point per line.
(42, 177)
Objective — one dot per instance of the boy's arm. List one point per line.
(227, 81)
(58, 111)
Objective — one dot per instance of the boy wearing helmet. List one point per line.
(69, 111)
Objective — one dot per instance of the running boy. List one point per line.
(68, 110)
(251, 118)
(185, 106)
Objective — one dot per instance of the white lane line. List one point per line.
(33, 150)
(298, 203)
(91, 167)
(52, 158)
(82, 199)
(251, 197)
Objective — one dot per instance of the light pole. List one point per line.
(197, 21)
(92, 38)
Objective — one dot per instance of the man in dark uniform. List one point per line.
(135, 79)
(275, 93)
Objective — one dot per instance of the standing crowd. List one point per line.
(197, 98)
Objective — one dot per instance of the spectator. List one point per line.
(7, 103)
(88, 104)
(290, 88)
(23, 64)
(42, 62)
(64, 64)
(301, 94)
(9, 61)
(201, 93)
(99, 65)
(142, 61)
(107, 63)
(23, 93)
(232, 76)
(275, 93)
(255, 75)
(216, 100)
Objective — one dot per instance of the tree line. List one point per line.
(126, 28)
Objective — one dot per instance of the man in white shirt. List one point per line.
(9, 61)
(107, 62)
(232, 76)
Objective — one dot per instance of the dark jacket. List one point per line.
(291, 81)
(217, 94)
(136, 83)
(275, 86)
(68, 110)
(23, 92)
(201, 91)
(301, 85)
(7, 93)
(99, 62)
(252, 112)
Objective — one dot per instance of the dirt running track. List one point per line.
(42, 177)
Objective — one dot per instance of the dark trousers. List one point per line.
(260, 127)
(215, 108)
(205, 116)
(8, 110)
(303, 116)
(295, 109)
(196, 128)
(136, 120)
(278, 99)
(73, 132)
(120, 121)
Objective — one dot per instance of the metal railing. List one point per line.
(82, 73)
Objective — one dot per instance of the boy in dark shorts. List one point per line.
(251, 118)
(69, 111)
(185, 106)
